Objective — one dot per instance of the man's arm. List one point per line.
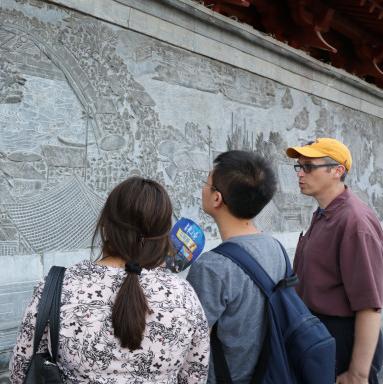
(367, 326)
(207, 278)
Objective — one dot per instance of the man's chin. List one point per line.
(304, 190)
(206, 210)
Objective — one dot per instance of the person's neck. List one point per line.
(112, 261)
(230, 226)
(329, 195)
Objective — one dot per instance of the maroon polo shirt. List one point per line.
(339, 260)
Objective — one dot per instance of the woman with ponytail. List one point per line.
(125, 318)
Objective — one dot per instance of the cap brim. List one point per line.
(306, 151)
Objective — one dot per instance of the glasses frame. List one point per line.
(308, 168)
(214, 188)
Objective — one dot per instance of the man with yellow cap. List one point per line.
(339, 260)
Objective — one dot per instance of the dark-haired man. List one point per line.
(339, 260)
(237, 189)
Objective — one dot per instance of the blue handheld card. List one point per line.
(188, 240)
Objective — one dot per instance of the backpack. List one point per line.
(298, 349)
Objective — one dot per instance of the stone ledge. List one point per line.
(189, 25)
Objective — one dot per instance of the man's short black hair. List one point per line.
(246, 181)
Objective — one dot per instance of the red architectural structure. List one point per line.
(347, 34)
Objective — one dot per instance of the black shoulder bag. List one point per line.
(43, 368)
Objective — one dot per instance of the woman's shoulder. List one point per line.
(173, 287)
(89, 267)
(164, 277)
(90, 273)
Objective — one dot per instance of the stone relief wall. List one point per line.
(85, 104)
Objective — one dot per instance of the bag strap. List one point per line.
(49, 309)
(263, 358)
(251, 267)
(54, 318)
(221, 369)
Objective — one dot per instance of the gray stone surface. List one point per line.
(64, 258)
(86, 102)
(189, 25)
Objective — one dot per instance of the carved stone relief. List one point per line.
(87, 103)
(287, 100)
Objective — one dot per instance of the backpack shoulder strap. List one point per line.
(244, 260)
(291, 278)
(261, 278)
(54, 316)
(49, 309)
(289, 270)
(221, 369)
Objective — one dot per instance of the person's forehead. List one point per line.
(310, 160)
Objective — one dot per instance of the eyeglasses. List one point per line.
(210, 185)
(307, 168)
(214, 188)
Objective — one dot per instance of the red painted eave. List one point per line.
(345, 33)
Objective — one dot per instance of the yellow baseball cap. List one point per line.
(324, 147)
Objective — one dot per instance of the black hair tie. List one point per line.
(132, 267)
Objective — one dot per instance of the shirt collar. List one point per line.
(334, 205)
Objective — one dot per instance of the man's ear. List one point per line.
(217, 199)
(340, 170)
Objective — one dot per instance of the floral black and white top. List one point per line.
(175, 347)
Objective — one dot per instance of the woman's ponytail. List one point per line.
(129, 312)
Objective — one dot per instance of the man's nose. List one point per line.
(300, 173)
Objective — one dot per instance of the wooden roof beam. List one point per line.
(273, 18)
(313, 25)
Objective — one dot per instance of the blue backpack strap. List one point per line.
(221, 369)
(289, 271)
(244, 260)
(291, 278)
